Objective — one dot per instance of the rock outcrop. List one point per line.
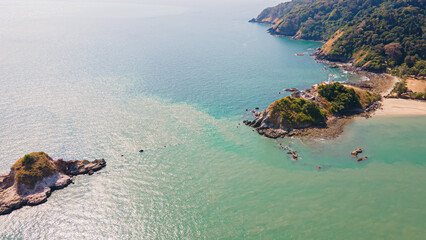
(320, 111)
(33, 178)
(355, 152)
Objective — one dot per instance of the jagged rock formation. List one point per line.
(33, 177)
(315, 108)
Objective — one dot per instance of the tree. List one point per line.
(394, 51)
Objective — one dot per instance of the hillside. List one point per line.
(376, 35)
(314, 109)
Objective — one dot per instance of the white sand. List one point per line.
(402, 107)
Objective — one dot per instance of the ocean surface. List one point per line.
(101, 79)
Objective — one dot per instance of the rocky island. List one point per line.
(320, 111)
(33, 177)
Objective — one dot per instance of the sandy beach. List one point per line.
(402, 107)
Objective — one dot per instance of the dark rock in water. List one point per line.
(355, 152)
(77, 167)
(141, 150)
(253, 20)
(294, 155)
(256, 123)
(33, 178)
(256, 108)
(246, 122)
(246, 110)
(291, 89)
(361, 159)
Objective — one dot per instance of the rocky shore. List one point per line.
(269, 125)
(377, 82)
(33, 178)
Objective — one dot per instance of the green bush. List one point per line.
(32, 168)
(298, 111)
(400, 88)
(27, 160)
(342, 99)
(418, 95)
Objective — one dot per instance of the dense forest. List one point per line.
(377, 35)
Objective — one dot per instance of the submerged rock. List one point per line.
(361, 159)
(33, 177)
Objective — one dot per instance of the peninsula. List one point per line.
(320, 111)
(367, 38)
(33, 177)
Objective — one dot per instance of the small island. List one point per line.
(320, 111)
(33, 177)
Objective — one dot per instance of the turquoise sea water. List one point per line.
(91, 79)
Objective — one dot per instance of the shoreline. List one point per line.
(381, 83)
(401, 107)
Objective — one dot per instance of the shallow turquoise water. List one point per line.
(87, 80)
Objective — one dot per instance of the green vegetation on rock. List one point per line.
(400, 88)
(274, 14)
(401, 91)
(375, 34)
(342, 99)
(332, 99)
(32, 168)
(295, 112)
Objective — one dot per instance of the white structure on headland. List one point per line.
(330, 78)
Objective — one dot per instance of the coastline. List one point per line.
(401, 107)
(381, 83)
